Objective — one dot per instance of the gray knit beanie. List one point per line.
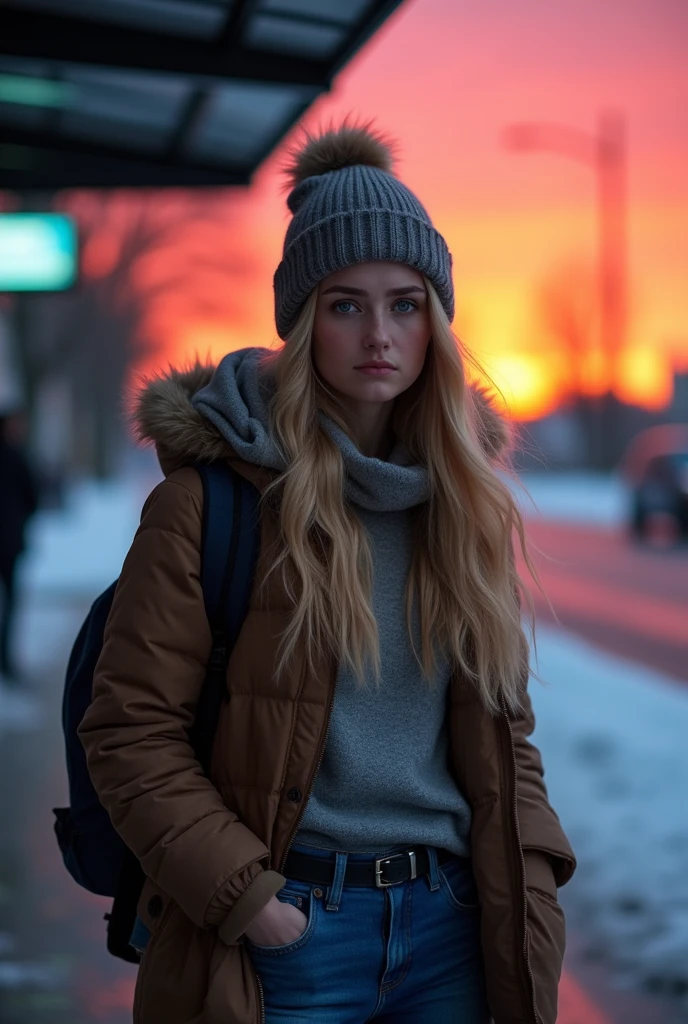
(349, 208)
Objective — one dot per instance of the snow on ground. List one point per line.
(19, 712)
(613, 734)
(597, 499)
(613, 740)
(73, 554)
(81, 547)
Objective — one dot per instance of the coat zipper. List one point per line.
(262, 1000)
(321, 754)
(517, 828)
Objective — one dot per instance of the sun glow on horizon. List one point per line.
(525, 390)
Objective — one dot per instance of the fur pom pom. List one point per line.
(341, 147)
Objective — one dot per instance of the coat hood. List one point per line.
(207, 413)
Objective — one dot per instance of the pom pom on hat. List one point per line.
(341, 147)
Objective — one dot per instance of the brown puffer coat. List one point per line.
(213, 849)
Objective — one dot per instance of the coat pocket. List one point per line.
(546, 940)
(172, 982)
(153, 915)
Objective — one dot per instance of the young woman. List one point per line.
(374, 840)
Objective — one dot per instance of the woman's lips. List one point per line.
(376, 371)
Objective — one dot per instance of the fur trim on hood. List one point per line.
(163, 414)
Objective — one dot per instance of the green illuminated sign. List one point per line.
(38, 252)
(35, 92)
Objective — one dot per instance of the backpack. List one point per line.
(94, 854)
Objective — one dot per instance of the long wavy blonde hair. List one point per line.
(463, 575)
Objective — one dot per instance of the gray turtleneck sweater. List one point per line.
(385, 779)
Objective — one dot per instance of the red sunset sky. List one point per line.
(444, 77)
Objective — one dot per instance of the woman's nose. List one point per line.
(378, 332)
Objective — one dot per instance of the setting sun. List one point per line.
(527, 390)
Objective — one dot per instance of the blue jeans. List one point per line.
(407, 954)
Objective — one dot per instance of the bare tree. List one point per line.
(568, 312)
(138, 251)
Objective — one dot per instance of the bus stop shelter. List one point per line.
(155, 93)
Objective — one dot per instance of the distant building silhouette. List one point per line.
(570, 437)
(678, 410)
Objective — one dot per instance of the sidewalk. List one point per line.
(53, 963)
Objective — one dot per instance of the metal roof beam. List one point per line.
(236, 22)
(359, 33)
(31, 160)
(42, 36)
(194, 109)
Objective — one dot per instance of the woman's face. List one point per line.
(371, 313)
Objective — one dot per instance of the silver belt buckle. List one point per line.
(379, 884)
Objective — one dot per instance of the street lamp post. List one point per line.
(605, 152)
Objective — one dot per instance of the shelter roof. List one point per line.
(136, 93)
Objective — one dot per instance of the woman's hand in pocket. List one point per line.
(277, 924)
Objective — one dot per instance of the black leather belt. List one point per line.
(377, 873)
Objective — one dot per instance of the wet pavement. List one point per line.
(53, 963)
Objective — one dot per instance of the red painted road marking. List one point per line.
(575, 1006)
(659, 618)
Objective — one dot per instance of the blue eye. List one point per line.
(410, 306)
(343, 302)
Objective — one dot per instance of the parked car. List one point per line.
(655, 467)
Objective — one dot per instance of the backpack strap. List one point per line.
(230, 546)
(229, 552)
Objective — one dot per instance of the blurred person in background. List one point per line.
(18, 502)
(374, 840)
